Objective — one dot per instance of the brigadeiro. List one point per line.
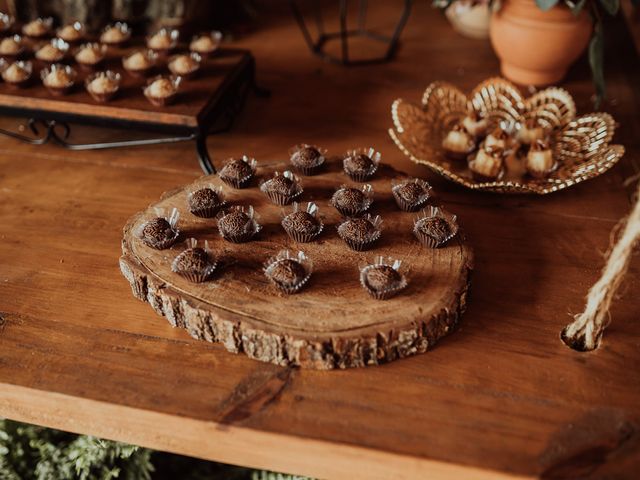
(458, 142)
(238, 172)
(160, 232)
(238, 225)
(434, 227)
(288, 272)
(383, 279)
(351, 201)
(308, 159)
(303, 225)
(206, 202)
(488, 164)
(282, 189)
(360, 165)
(410, 194)
(360, 232)
(196, 264)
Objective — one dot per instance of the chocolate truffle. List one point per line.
(115, 34)
(382, 280)
(18, 73)
(195, 263)
(382, 277)
(11, 46)
(360, 232)
(140, 62)
(238, 226)
(103, 86)
(411, 195)
(288, 273)
(58, 78)
(530, 131)
(475, 123)
(303, 226)
(53, 51)
(37, 28)
(90, 54)
(540, 162)
(163, 39)
(498, 137)
(360, 165)
(435, 227)
(160, 232)
(72, 33)
(488, 164)
(282, 189)
(458, 143)
(308, 159)
(238, 172)
(185, 65)
(205, 202)
(162, 90)
(351, 201)
(205, 43)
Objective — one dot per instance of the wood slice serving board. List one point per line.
(332, 322)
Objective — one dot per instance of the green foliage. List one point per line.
(28, 452)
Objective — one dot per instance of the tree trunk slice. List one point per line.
(332, 322)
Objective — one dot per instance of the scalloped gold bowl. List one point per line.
(580, 144)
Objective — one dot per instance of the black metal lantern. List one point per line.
(343, 35)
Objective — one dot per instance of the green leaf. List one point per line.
(596, 61)
(610, 6)
(546, 4)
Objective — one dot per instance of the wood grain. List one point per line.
(332, 323)
(503, 396)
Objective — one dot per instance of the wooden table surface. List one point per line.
(502, 397)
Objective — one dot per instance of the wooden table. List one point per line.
(502, 397)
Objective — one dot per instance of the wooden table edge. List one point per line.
(224, 443)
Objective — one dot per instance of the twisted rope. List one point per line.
(585, 332)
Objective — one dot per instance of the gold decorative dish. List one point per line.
(580, 145)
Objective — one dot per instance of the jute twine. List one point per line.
(585, 332)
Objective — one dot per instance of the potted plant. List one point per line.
(470, 18)
(537, 40)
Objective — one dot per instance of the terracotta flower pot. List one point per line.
(537, 47)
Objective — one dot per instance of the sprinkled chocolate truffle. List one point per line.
(360, 166)
(360, 232)
(382, 277)
(195, 264)
(352, 201)
(282, 189)
(382, 280)
(307, 159)
(303, 226)
(160, 232)
(238, 172)
(287, 272)
(157, 230)
(238, 226)
(205, 202)
(411, 195)
(435, 227)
